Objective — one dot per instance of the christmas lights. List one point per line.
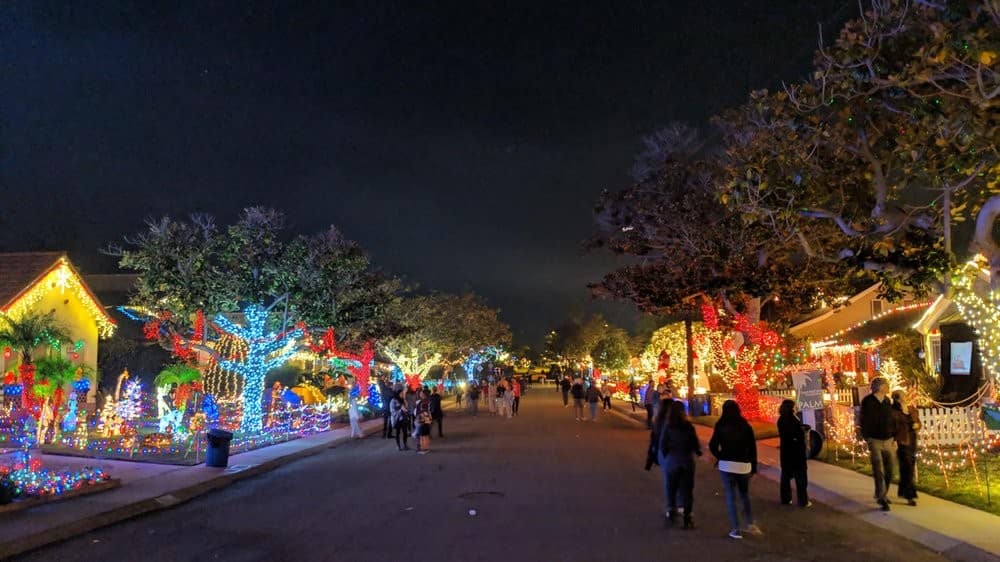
(63, 277)
(265, 351)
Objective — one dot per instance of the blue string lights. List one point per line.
(265, 351)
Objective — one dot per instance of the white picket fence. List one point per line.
(843, 396)
(949, 427)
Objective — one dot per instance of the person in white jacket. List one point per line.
(355, 417)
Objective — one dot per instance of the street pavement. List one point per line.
(542, 486)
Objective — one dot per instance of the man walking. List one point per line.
(877, 430)
(565, 386)
(385, 391)
(578, 394)
(593, 397)
(437, 413)
(517, 395)
(649, 399)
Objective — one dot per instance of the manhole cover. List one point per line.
(474, 495)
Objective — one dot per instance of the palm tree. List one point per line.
(182, 375)
(57, 372)
(25, 334)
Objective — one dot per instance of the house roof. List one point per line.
(23, 279)
(827, 312)
(19, 271)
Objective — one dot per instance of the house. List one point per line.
(846, 336)
(47, 281)
(952, 346)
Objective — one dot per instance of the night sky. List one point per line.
(463, 144)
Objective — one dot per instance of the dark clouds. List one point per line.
(462, 143)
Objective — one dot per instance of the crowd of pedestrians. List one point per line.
(411, 413)
(499, 395)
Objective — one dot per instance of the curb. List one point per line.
(66, 531)
(946, 546)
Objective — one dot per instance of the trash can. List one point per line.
(218, 448)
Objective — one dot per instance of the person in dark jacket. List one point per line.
(792, 438)
(877, 428)
(678, 445)
(385, 391)
(593, 397)
(564, 386)
(437, 413)
(907, 422)
(735, 448)
(578, 393)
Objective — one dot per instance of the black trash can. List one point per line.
(218, 448)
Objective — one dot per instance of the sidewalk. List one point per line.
(147, 487)
(953, 530)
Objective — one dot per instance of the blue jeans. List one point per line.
(737, 485)
(678, 483)
(593, 410)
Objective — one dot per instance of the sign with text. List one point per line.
(808, 390)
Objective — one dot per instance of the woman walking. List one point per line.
(792, 437)
(678, 446)
(400, 420)
(735, 448)
(907, 422)
(424, 421)
(593, 397)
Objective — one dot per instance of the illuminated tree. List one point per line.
(443, 327)
(611, 353)
(256, 288)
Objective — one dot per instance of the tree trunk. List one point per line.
(688, 335)
(984, 238)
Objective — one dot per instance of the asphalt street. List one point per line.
(542, 486)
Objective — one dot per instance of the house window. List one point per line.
(878, 305)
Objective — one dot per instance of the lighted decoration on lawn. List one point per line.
(129, 408)
(890, 371)
(265, 351)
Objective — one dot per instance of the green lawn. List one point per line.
(962, 486)
(761, 430)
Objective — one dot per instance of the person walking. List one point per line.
(422, 414)
(735, 448)
(907, 423)
(649, 398)
(565, 386)
(491, 398)
(508, 398)
(354, 416)
(474, 399)
(593, 397)
(632, 398)
(386, 392)
(577, 391)
(400, 420)
(606, 396)
(877, 429)
(678, 446)
(792, 440)
(516, 391)
(458, 396)
(437, 413)
(501, 390)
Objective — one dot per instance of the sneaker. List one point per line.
(884, 504)
(753, 530)
(422, 452)
(911, 502)
(735, 534)
(808, 504)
